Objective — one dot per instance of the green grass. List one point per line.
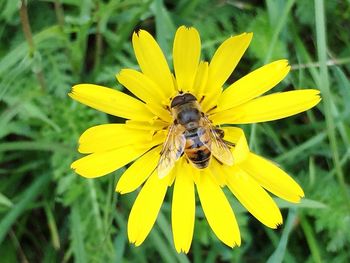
(50, 214)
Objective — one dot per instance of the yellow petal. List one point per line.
(142, 86)
(218, 176)
(200, 80)
(217, 210)
(183, 209)
(111, 136)
(110, 101)
(272, 178)
(152, 61)
(270, 107)
(138, 172)
(226, 59)
(158, 110)
(153, 125)
(195, 172)
(145, 209)
(236, 135)
(253, 197)
(222, 64)
(253, 85)
(158, 137)
(102, 163)
(172, 175)
(186, 53)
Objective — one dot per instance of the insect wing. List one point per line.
(215, 144)
(172, 150)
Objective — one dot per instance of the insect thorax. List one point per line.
(186, 111)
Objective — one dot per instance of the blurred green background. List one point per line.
(50, 214)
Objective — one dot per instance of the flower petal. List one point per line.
(142, 86)
(138, 172)
(110, 101)
(102, 163)
(200, 80)
(183, 208)
(269, 107)
(146, 207)
(253, 197)
(239, 152)
(236, 135)
(222, 64)
(186, 53)
(160, 112)
(111, 136)
(152, 61)
(226, 59)
(218, 176)
(253, 85)
(217, 210)
(153, 125)
(272, 178)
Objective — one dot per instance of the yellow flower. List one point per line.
(141, 138)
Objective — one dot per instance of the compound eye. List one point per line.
(182, 99)
(176, 101)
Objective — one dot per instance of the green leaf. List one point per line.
(5, 201)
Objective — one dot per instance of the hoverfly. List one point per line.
(191, 133)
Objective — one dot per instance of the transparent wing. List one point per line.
(211, 138)
(173, 148)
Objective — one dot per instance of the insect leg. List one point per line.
(221, 134)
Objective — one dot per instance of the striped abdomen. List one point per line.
(196, 151)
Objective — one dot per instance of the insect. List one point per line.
(191, 133)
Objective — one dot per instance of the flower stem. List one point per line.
(330, 62)
(98, 51)
(59, 13)
(29, 38)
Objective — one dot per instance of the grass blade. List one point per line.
(32, 192)
(278, 255)
(326, 93)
